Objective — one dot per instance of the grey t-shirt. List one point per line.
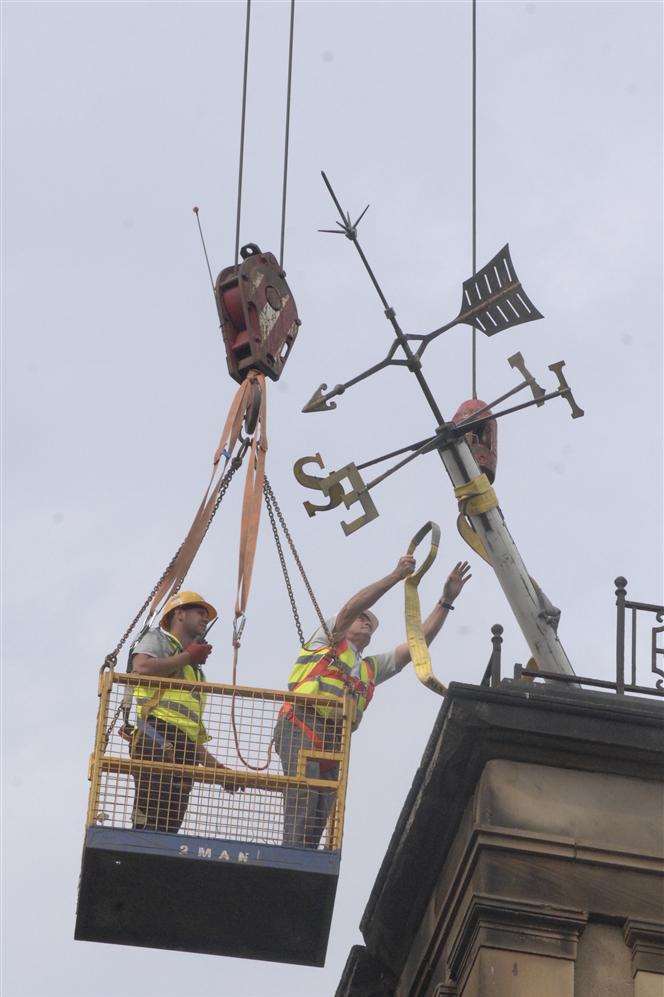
(384, 664)
(157, 643)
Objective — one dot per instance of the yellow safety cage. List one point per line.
(225, 883)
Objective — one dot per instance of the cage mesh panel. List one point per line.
(148, 781)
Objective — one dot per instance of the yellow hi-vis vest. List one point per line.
(326, 671)
(183, 708)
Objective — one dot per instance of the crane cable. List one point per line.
(287, 134)
(243, 117)
(242, 123)
(474, 182)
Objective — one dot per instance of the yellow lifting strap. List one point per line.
(475, 497)
(417, 645)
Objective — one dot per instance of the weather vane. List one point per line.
(493, 300)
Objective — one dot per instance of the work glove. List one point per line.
(198, 653)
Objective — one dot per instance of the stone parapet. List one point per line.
(530, 843)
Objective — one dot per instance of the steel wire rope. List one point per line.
(205, 252)
(287, 133)
(474, 180)
(243, 118)
(242, 125)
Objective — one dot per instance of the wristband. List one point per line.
(445, 605)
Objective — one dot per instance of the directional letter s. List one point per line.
(336, 492)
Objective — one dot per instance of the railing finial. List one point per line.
(496, 640)
(621, 585)
(621, 592)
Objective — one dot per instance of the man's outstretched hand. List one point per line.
(456, 580)
(405, 566)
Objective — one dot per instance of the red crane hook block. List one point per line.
(258, 315)
(483, 441)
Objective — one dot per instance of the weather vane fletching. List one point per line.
(494, 299)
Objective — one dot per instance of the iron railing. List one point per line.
(627, 618)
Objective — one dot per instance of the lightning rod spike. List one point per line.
(200, 230)
(332, 194)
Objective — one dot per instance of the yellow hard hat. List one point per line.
(187, 599)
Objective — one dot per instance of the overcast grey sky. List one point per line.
(117, 119)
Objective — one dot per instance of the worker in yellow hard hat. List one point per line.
(170, 721)
(332, 663)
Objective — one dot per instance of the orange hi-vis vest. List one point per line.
(327, 671)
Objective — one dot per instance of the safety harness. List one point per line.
(331, 666)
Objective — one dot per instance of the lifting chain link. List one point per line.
(109, 729)
(282, 561)
(111, 659)
(270, 501)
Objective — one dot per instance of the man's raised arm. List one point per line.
(434, 621)
(366, 597)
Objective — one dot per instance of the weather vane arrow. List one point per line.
(492, 300)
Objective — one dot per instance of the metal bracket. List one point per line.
(565, 389)
(547, 612)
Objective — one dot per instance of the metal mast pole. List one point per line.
(510, 570)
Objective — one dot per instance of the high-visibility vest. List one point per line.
(327, 671)
(183, 708)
